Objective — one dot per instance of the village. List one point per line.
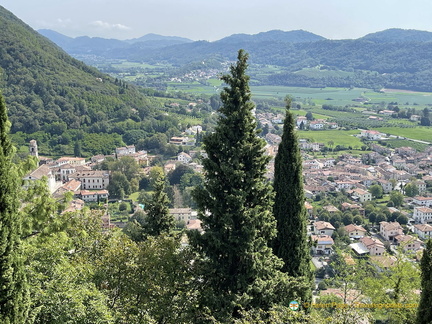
(378, 201)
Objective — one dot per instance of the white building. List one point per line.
(424, 231)
(422, 215)
(40, 173)
(93, 196)
(125, 150)
(92, 180)
(183, 214)
(423, 201)
(324, 244)
(184, 157)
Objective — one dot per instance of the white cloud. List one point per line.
(108, 26)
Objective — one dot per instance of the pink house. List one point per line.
(390, 230)
(374, 246)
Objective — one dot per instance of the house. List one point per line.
(41, 172)
(324, 244)
(94, 195)
(373, 245)
(312, 165)
(348, 206)
(92, 179)
(71, 160)
(194, 224)
(408, 242)
(389, 230)
(362, 195)
(62, 172)
(182, 141)
(184, 157)
(371, 134)
(355, 231)
(125, 150)
(273, 138)
(309, 208)
(386, 185)
(415, 118)
(74, 205)
(315, 125)
(424, 231)
(331, 209)
(193, 130)
(423, 201)
(323, 228)
(72, 185)
(386, 112)
(301, 119)
(183, 214)
(421, 185)
(422, 215)
(345, 185)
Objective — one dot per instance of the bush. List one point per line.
(322, 286)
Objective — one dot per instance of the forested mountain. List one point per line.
(43, 85)
(397, 35)
(85, 45)
(393, 58)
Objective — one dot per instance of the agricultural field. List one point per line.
(396, 143)
(338, 137)
(421, 133)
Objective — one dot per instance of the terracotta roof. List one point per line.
(323, 239)
(352, 227)
(390, 226)
(321, 225)
(371, 241)
(424, 227)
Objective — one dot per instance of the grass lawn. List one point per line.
(134, 196)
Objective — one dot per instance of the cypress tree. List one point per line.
(14, 303)
(158, 218)
(424, 311)
(234, 204)
(291, 243)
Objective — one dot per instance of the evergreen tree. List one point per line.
(424, 311)
(291, 243)
(237, 265)
(158, 218)
(14, 301)
(77, 149)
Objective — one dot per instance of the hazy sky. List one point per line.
(213, 20)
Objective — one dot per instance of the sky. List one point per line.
(212, 20)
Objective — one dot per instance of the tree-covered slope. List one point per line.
(42, 84)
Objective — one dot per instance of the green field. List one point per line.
(418, 133)
(395, 143)
(345, 138)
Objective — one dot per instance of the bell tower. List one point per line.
(33, 148)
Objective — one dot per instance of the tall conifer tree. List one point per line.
(13, 286)
(291, 243)
(424, 311)
(158, 218)
(234, 204)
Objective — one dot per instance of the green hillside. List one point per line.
(43, 85)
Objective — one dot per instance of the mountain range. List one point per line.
(393, 58)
